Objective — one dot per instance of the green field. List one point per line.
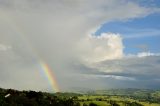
(104, 100)
(122, 97)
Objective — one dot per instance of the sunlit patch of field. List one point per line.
(104, 100)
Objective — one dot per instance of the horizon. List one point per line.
(58, 45)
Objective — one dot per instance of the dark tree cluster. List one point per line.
(31, 98)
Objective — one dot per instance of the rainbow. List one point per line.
(50, 76)
(43, 66)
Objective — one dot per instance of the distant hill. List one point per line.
(128, 91)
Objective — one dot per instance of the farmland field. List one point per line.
(105, 100)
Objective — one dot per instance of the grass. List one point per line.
(118, 99)
(99, 103)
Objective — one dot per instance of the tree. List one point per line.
(93, 104)
(84, 104)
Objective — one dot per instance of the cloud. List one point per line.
(141, 72)
(103, 47)
(4, 47)
(114, 77)
(56, 31)
(140, 33)
(144, 54)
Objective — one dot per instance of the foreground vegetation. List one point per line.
(114, 97)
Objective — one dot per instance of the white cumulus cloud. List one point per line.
(106, 46)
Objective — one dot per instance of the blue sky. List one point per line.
(137, 32)
(148, 3)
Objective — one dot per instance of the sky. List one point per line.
(87, 44)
